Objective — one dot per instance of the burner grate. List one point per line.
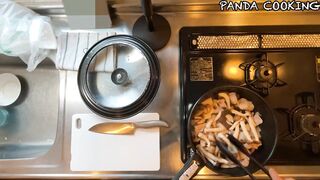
(304, 122)
(261, 75)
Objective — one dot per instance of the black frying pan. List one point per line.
(269, 135)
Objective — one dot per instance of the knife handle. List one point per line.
(151, 124)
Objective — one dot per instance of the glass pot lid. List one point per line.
(119, 76)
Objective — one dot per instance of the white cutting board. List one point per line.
(102, 152)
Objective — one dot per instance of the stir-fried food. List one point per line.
(228, 114)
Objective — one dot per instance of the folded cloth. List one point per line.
(72, 46)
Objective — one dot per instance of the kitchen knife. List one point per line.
(126, 127)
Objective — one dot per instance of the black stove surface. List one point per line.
(288, 79)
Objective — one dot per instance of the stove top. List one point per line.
(279, 63)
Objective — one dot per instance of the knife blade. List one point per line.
(125, 128)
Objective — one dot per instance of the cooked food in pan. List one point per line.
(215, 118)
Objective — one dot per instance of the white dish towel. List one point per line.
(72, 46)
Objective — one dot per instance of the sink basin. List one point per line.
(31, 126)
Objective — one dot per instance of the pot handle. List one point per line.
(190, 168)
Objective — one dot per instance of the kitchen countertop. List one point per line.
(55, 164)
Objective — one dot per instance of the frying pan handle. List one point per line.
(190, 168)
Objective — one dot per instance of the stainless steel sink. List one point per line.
(32, 122)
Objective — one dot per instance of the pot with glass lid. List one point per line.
(119, 76)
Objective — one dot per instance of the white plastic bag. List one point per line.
(25, 34)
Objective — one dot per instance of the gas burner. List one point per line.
(310, 123)
(261, 75)
(305, 127)
(305, 124)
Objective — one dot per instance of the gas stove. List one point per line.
(282, 64)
